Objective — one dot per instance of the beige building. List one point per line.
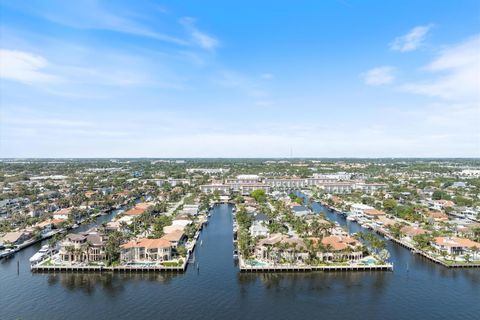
(146, 250)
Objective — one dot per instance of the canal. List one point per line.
(417, 289)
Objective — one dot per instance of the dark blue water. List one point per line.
(417, 289)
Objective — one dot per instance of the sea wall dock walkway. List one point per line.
(117, 269)
(386, 267)
(333, 268)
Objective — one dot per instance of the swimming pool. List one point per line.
(256, 263)
(369, 261)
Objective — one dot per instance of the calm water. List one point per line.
(417, 289)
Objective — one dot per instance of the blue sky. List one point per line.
(239, 79)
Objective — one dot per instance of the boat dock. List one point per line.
(331, 268)
(117, 269)
(383, 267)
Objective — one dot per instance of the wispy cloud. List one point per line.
(412, 40)
(379, 76)
(456, 73)
(47, 122)
(200, 38)
(97, 15)
(266, 76)
(24, 67)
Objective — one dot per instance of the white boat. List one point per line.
(352, 218)
(7, 253)
(75, 226)
(48, 234)
(235, 254)
(40, 254)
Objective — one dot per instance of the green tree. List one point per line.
(389, 204)
(259, 195)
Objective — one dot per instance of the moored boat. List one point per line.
(7, 253)
(40, 254)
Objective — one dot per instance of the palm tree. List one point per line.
(475, 250)
(70, 250)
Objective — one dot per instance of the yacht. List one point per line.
(37, 257)
(7, 253)
(235, 254)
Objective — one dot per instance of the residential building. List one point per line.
(146, 250)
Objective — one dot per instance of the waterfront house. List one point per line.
(467, 230)
(62, 214)
(359, 208)
(146, 250)
(182, 220)
(437, 216)
(441, 204)
(259, 225)
(455, 245)
(190, 209)
(373, 213)
(384, 221)
(143, 205)
(175, 238)
(83, 247)
(412, 231)
(259, 229)
(300, 211)
(341, 248)
(15, 237)
(172, 228)
(278, 246)
(134, 212)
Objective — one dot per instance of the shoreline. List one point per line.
(414, 250)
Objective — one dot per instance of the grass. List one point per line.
(47, 262)
(171, 264)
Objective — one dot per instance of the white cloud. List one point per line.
(266, 76)
(412, 40)
(456, 73)
(379, 76)
(200, 38)
(92, 14)
(24, 67)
